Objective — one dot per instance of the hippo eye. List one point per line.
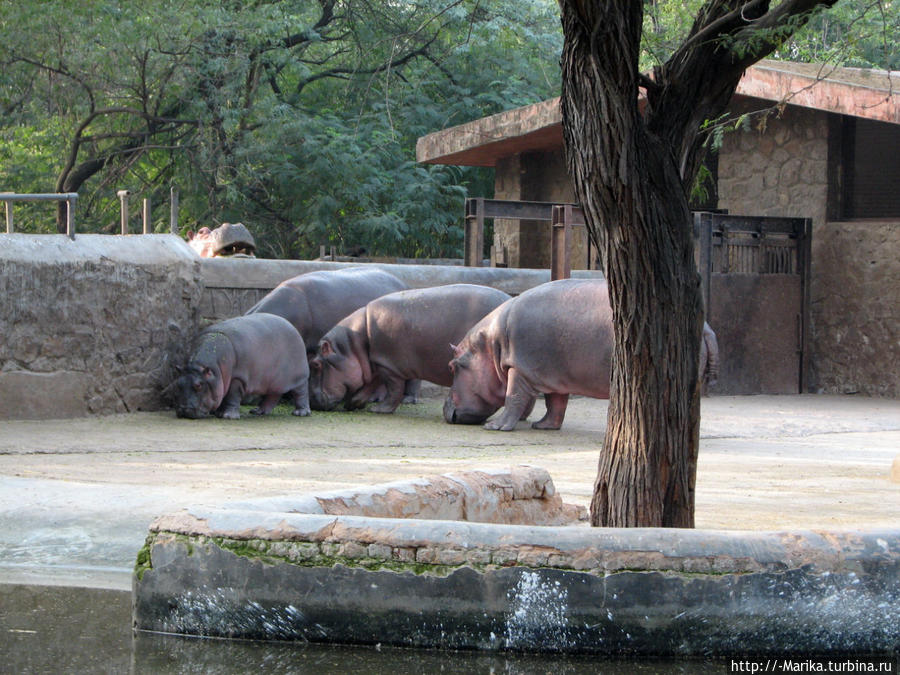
(198, 386)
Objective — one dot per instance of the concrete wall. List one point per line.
(92, 325)
(855, 316)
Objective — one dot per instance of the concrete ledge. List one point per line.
(250, 573)
(262, 274)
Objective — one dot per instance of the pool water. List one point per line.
(56, 629)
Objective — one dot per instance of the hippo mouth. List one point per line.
(453, 415)
(191, 413)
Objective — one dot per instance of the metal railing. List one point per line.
(68, 197)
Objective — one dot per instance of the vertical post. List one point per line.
(173, 210)
(703, 222)
(70, 215)
(10, 228)
(560, 242)
(123, 209)
(146, 216)
(474, 236)
(804, 253)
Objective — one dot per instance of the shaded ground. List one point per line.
(76, 496)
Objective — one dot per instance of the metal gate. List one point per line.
(755, 276)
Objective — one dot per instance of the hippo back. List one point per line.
(316, 301)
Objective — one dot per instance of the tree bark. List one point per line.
(632, 164)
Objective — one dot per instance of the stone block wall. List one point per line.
(856, 308)
(783, 170)
(92, 325)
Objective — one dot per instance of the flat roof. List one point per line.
(858, 92)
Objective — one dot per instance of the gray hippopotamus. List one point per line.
(555, 339)
(260, 354)
(398, 337)
(316, 301)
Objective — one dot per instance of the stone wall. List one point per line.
(91, 325)
(855, 273)
(856, 308)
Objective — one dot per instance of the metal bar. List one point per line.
(173, 210)
(560, 242)
(804, 260)
(145, 216)
(474, 235)
(70, 215)
(69, 197)
(123, 210)
(37, 196)
(703, 224)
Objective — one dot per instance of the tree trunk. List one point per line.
(628, 182)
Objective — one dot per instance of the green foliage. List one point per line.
(297, 118)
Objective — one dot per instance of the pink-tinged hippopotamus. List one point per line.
(260, 354)
(396, 338)
(555, 339)
(316, 301)
(229, 239)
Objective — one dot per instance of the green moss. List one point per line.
(261, 550)
(143, 562)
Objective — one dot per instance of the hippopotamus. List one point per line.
(229, 239)
(555, 339)
(396, 338)
(316, 301)
(261, 354)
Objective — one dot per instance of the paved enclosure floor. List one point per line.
(76, 496)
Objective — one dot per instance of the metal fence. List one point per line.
(68, 197)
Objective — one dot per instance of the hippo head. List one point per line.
(476, 392)
(335, 375)
(197, 391)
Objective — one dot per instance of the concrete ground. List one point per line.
(77, 496)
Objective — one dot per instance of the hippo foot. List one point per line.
(544, 424)
(498, 425)
(230, 415)
(411, 398)
(301, 412)
(383, 408)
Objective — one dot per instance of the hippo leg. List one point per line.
(411, 391)
(519, 397)
(266, 405)
(394, 384)
(528, 410)
(365, 395)
(300, 396)
(230, 408)
(556, 411)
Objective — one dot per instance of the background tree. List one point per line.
(633, 145)
(298, 118)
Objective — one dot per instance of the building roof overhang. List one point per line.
(857, 92)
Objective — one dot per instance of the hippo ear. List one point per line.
(325, 348)
(190, 235)
(457, 352)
